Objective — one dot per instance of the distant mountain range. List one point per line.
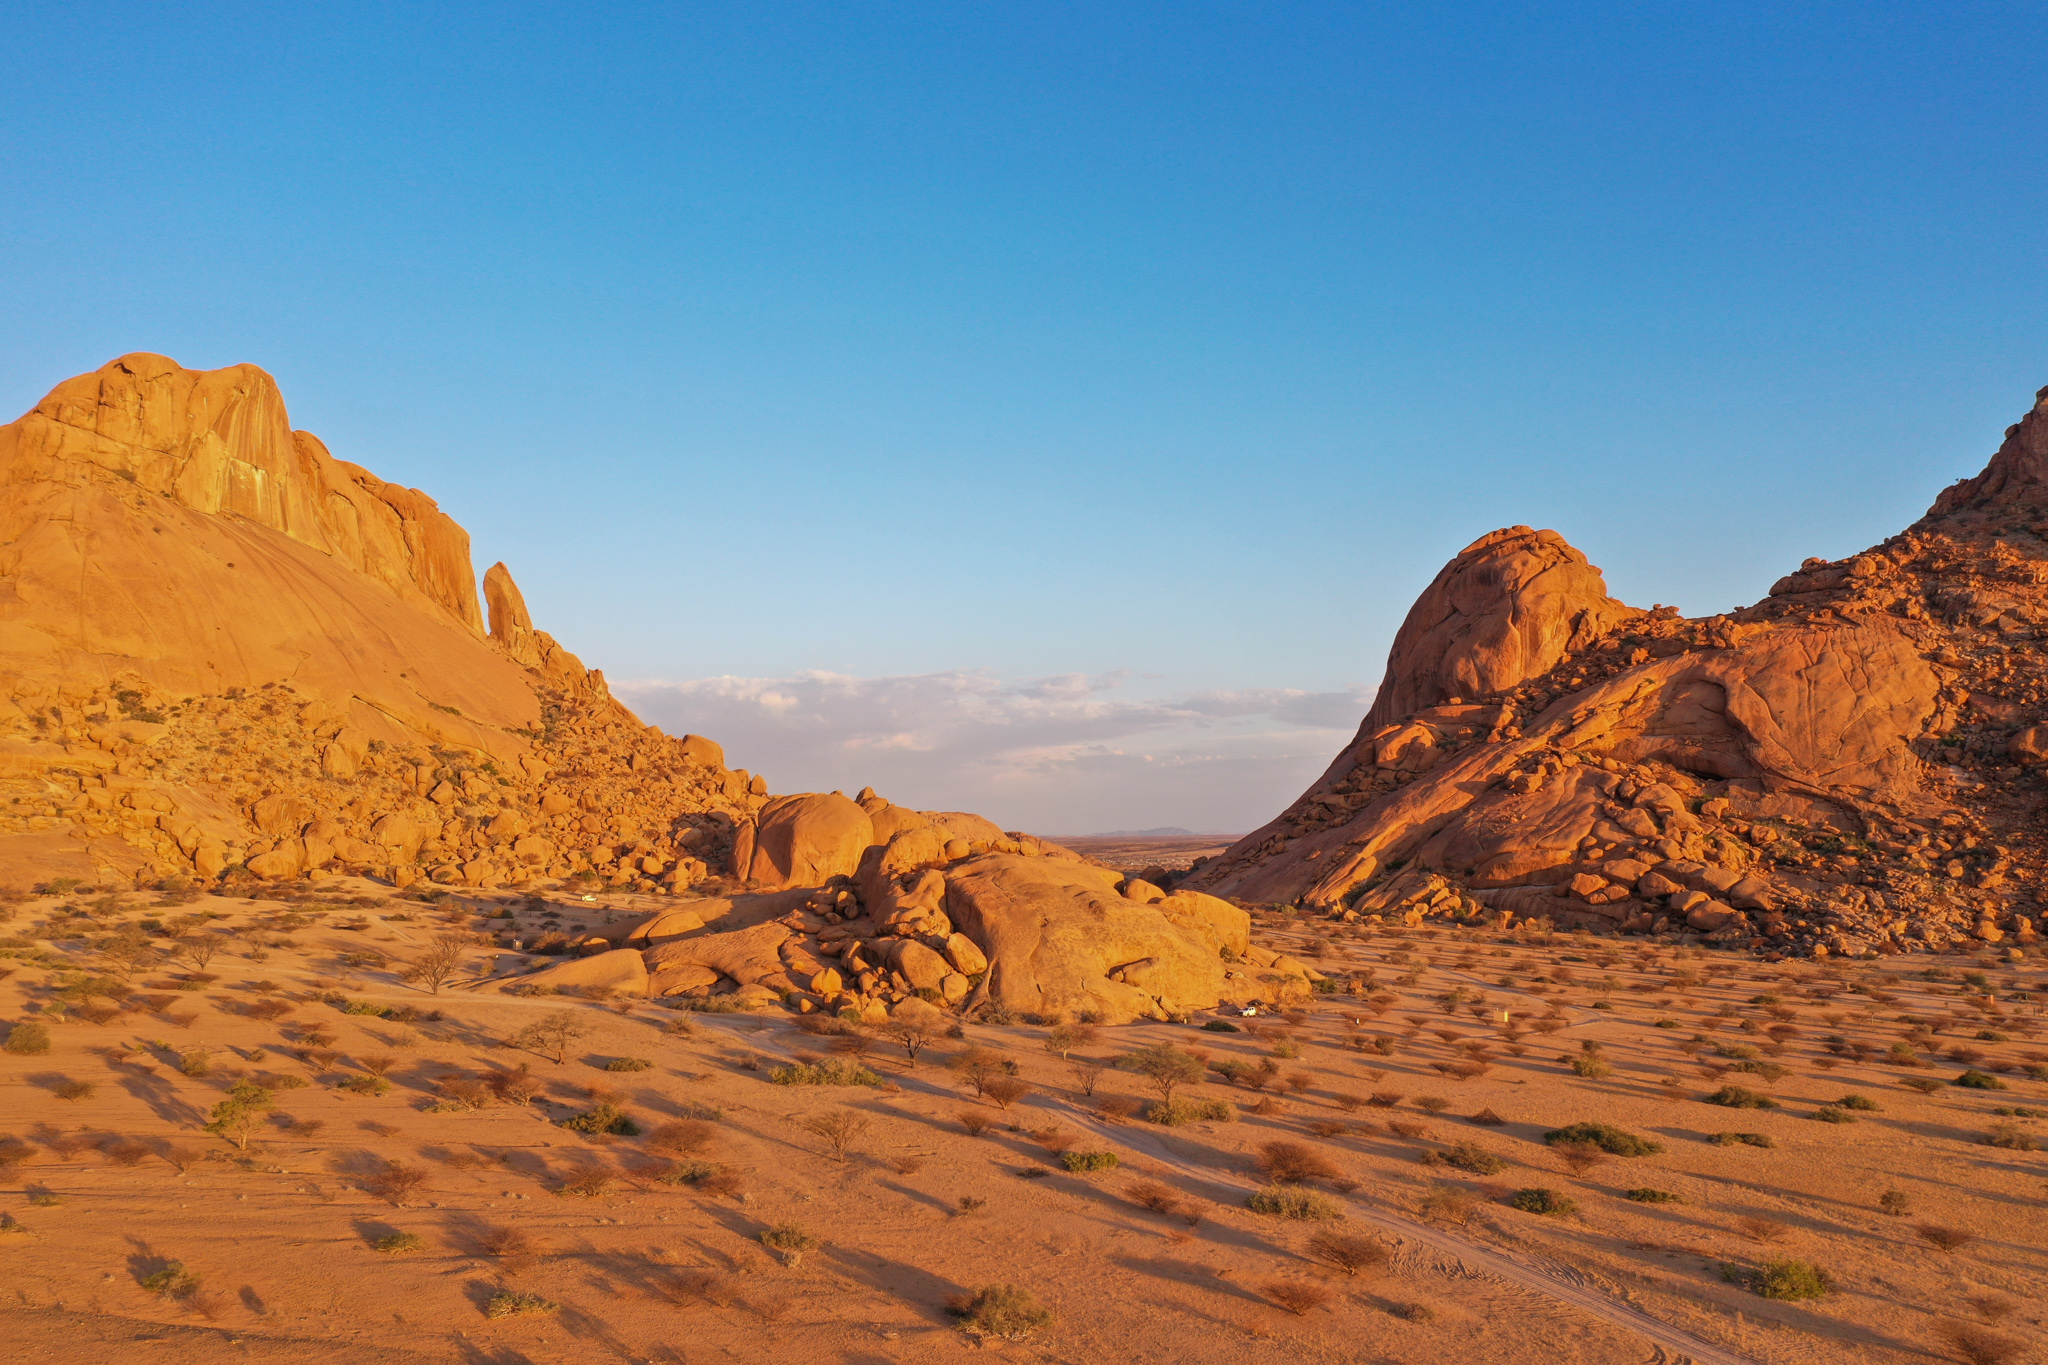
(1163, 832)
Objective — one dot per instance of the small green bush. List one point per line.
(1785, 1279)
(399, 1242)
(1978, 1080)
(2012, 1138)
(1540, 1200)
(363, 1085)
(171, 1282)
(1222, 1026)
(1292, 1201)
(829, 1071)
(605, 1118)
(1828, 1113)
(1744, 1139)
(1860, 1102)
(1002, 1311)
(1614, 1141)
(1646, 1195)
(1083, 1162)
(628, 1064)
(1173, 1113)
(1591, 1067)
(508, 1303)
(1470, 1156)
(790, 1241)
(1736, 1097)
(28, 1039)
(365, 1007)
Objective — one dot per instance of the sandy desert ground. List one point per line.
(1137, 854)
(1413, 1108)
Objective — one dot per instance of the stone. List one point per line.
(803, 840)
(1054, 931)
(966, 957)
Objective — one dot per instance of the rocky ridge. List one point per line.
(1853, 765)
(228, 658)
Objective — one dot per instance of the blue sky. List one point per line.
(1052, 409)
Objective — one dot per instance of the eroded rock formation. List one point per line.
(1852, 765)
(227, 656)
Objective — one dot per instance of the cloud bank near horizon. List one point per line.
(1069, 754)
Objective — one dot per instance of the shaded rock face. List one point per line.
(1851, 765)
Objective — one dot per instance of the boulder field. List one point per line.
(1853, 765)
(227, 657)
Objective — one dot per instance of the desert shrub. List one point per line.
(680, 1138)
(1828, 1113)
(628, 1064)
(1782, 1279)
(1349, 1252)
(789, 1241)
(395, 1181)
(28, 1038)
(1432, 1104)
(1646, 1195)
(1895, 1203)
(2011, 1137)
(1291, 1163)
(363, 1085)
(1862, 1103)
(510, 1303)
(73, 1090)
(124, 1151)
(1605, 1136)
(1467, 1156)
(605, 1117)
(1293, 1201)
(691, 1173)
(1978, 1080)
(593, 1182)
(1487, 1118)
(1980, 1346)
(1082, 1163)
(399, 1243)
(1592, 1067)
(1174, 1113)
(1002, 1311)
(840, 1129)
(1745, 1139)
(1539, 1199)
(1944, 1238)
(827, 1071)
(1736, 1097)
(377, 1066)
(171, 1281)
(1328, 1128)
(1221, 1026)
(1921, 1084)
(282, 1081)
(196, 1061)
(974, 1121)
(1448, 1203)
(1299, 1297)
(1005, 1090)
(14, 1152)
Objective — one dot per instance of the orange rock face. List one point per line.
(1846, 766)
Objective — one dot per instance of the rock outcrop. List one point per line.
(228, 657)
(1852, 765)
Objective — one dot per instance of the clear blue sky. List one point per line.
(1162, 351)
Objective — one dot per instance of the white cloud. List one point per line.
(1065, 754)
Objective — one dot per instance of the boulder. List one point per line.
(748, 956)
(1056, 934)
(802, 840)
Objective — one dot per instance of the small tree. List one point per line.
(840, 1128)
(913, 1032)
(551, 1033)
(236, 1118)
(438, 964)
(196, 950)
(1165, 1066)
